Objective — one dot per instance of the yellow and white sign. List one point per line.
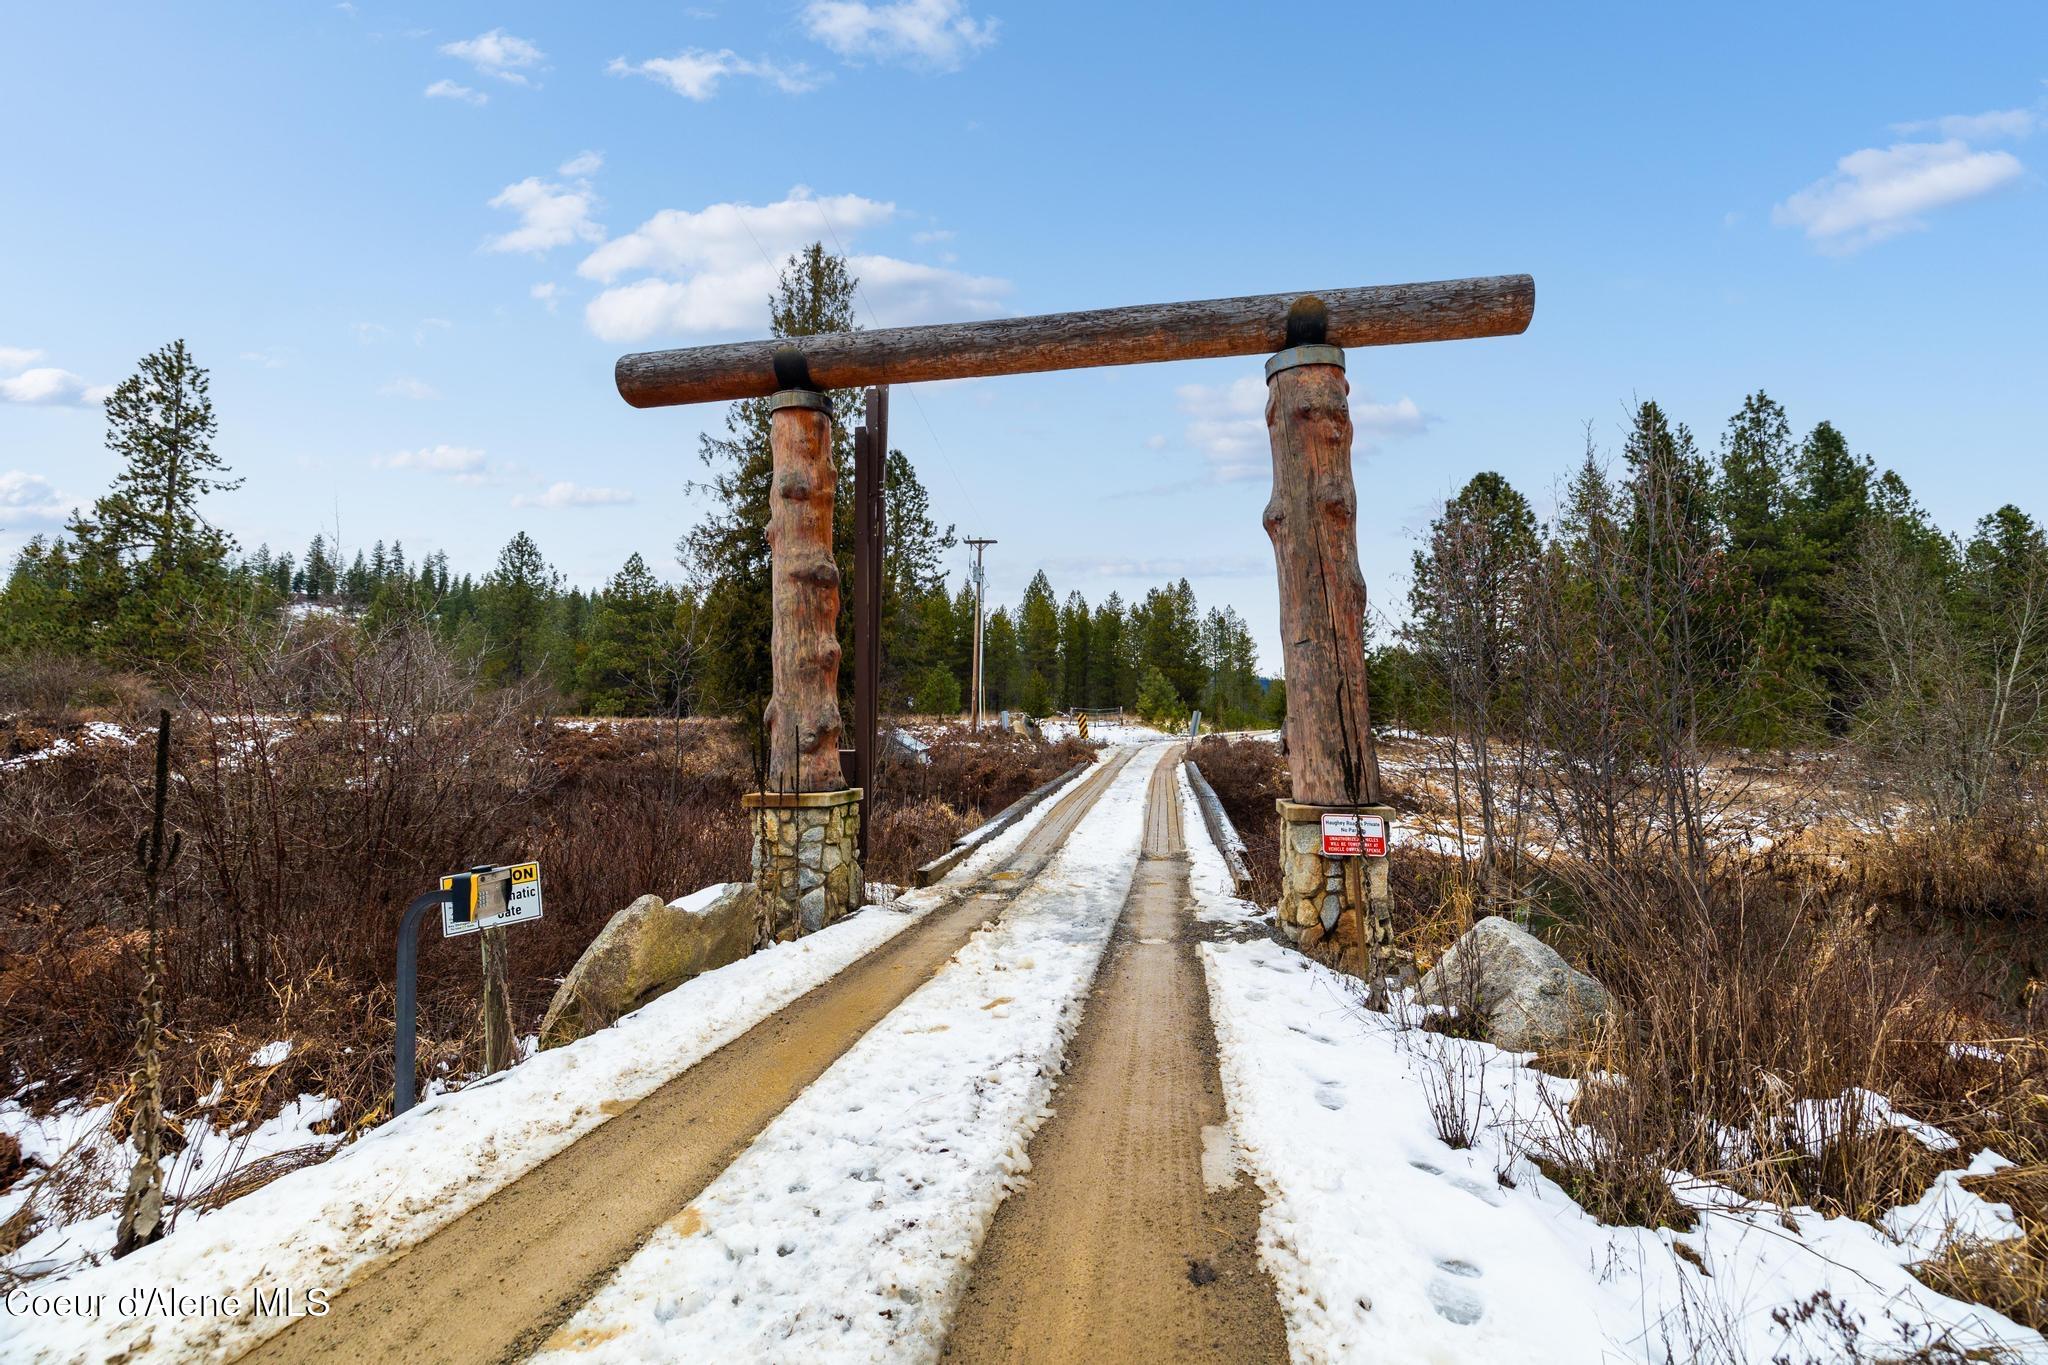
(490, 898)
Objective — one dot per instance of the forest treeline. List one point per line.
(1777, 591)
(144, 580)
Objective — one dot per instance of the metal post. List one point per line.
(408, 1002)
(870, 477)
(977, 703)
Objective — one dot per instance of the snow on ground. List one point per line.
(1387, 1244)
(411, 1176)
(846, 1231)
(93, 732)
(1110, 732)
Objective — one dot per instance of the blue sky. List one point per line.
(410, 240)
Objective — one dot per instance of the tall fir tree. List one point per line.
(151, 570)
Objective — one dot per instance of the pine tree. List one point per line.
(1000, 665)
(913, 553)
(632, 665)
(1038, 643)
(1830, 509)
(1113, 679)
(514, 607)
(1158, 700)
(38, 613)
(151, 568)
(1077, 650)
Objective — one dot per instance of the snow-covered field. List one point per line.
(1389, 1245)
(845, 1232)
(396, 1186)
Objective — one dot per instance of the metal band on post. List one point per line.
(800, 398)
(1296, 356)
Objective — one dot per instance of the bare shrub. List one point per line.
(1453, 1079)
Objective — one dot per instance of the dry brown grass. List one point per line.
(324, 779)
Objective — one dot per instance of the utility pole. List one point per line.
(978, 701)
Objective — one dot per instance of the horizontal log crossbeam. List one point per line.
(1378, 315)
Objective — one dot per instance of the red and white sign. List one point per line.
(1354, 836)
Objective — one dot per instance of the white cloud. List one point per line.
(498, 54)
(582, 166)
(428, 326)
(456, 90)
(550, 215)
(934, 33)
(930, 235)
(547, 292)
(1156, 441)
(567, 494)
(407, 387)
(52, 387)
(712, 270)
(696, 73)
(1227, 424)
(1880, 192)
(369, 333)
(14, 358)
(1984, 127)
(270, 357)
(464, 463)
(29, 499)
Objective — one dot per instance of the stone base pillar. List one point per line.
(806, 861)
(1339, 910)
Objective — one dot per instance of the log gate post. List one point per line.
(1312, 520)
(807, 821)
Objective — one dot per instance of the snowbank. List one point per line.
(1387, 1244)
(417, 1173)
(846, 1231)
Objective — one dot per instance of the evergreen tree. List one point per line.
(38, 612)
(1038, 644)
(1830, 509)
(1000, 665)
(1158, 700)
(938, 692)
(1169, 639)
(150, 567)
(631, 666)
(1077, 631)
(514, 608)
(913, 553)
(1113, 676)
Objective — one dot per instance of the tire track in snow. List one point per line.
(846, 1230)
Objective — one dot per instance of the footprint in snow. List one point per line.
(1461, 1268)
(1330, 1095)
(1455, 1302)
(1484, 1193)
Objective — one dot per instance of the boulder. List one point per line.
(648, 949)
(1525, 997)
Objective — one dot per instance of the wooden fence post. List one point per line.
(499, 1047)
(1313, 522)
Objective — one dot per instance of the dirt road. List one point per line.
(496, 1283)
(1120, 1249)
